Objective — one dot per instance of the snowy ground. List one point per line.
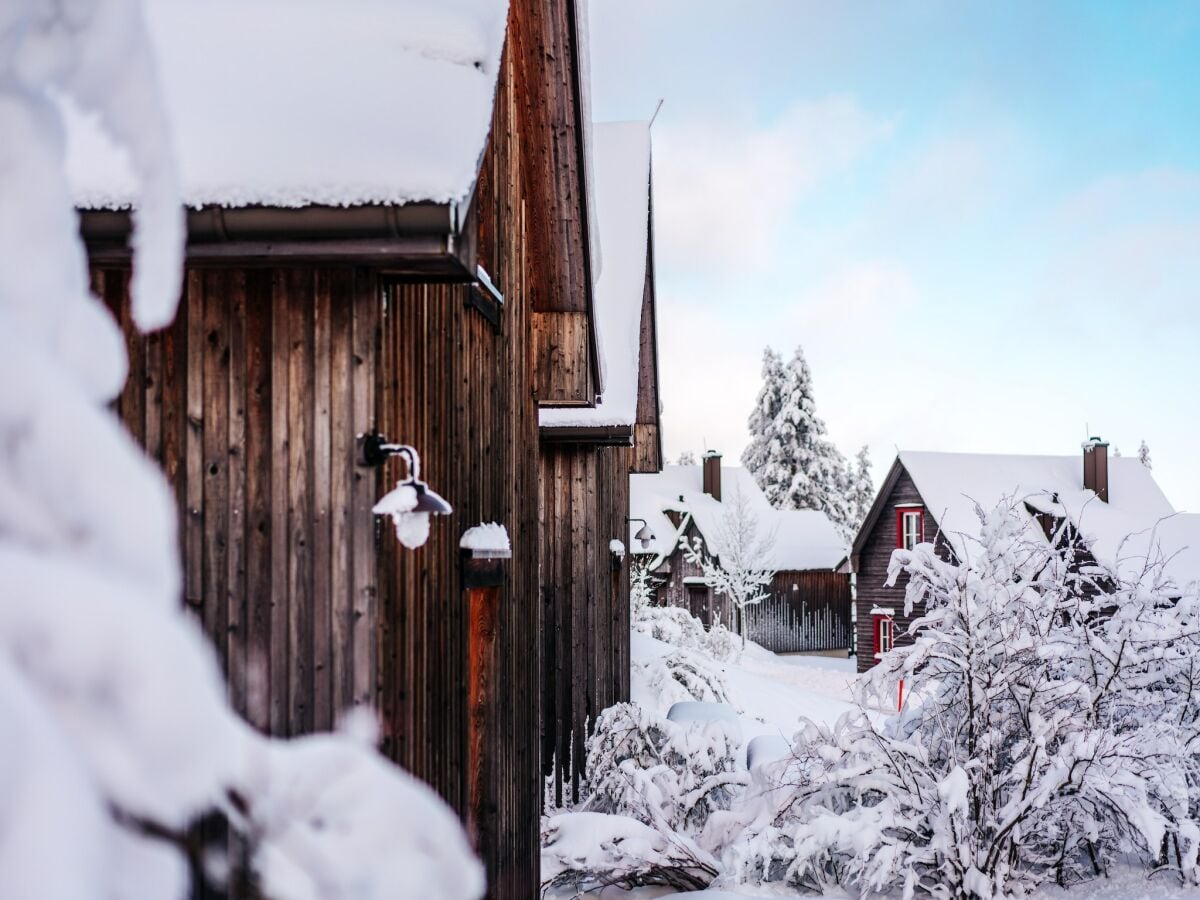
(770, 693)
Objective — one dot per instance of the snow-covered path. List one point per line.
(770, 693)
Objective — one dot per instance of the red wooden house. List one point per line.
(1113, 508)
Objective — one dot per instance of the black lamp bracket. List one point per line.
(376, 450)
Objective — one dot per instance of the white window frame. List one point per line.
(885, 635)
(911, 536)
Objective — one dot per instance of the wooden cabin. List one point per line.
(932, 497)
(587, 455)
(417, 265)
(808, 603)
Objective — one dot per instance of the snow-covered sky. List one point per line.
(981, 220)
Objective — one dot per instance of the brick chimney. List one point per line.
(1095, 467)
(712, 474)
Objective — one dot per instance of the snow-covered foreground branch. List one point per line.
(117, 733)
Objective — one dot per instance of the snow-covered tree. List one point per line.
(860, 493)
(790, 456)
(737, 562)
(1144, 455)
(1055, 733)
(762, 421)
(117, 734)
(686, 458)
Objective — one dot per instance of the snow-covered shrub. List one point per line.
(676, 626)
(586, 851)
(666, 774)
(652, 786)
(1054, 731)
(681, 676)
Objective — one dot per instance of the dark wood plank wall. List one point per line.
(585, 601)
(870, 589)
(541, 47)
(250, 402)
(647, 439)
(806, 610)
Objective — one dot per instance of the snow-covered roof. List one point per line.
(297, 102)
(804, 538)
(1137, 522)
(622, 202)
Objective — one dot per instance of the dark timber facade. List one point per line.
(300, 330)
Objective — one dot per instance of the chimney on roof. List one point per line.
(712, 474)
(1095, 467)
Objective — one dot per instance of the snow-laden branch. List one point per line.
(117, 733)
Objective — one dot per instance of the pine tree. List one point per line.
(803, 469)
(766, 410)
(861, 493)
(1144, 455)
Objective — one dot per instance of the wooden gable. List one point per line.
(544, 44)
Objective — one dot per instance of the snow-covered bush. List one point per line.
(666, 774)
(586, 851)
(117, 734)
(652, 786)
(1053, 731)
(676, 626)
(682, 675)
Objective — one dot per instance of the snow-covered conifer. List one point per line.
(686, 458)
(790, 457)
(762, 420)
(1144, 455)
(861, 493)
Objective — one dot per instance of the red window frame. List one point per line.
(901, 512)
(876, 630)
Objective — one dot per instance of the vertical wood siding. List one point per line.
(585, 602)
(250, 402)
(870, 589)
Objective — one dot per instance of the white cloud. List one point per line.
(724, 188)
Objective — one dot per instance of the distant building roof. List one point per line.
(1136, 525)
(622, 208)
(290, 103)
(804, 539)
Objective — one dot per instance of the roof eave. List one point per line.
(600, 435)
(428, 240)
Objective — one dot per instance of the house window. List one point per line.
(882, 626)
(910, 527)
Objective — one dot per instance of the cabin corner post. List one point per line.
(481, 583)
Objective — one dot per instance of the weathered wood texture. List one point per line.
(250, 402)
(648, 457)
(808, 610)
(544, 69)
(585, 600)
(870, 588)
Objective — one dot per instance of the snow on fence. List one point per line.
(813, 616)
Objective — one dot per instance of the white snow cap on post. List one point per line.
(487, 539)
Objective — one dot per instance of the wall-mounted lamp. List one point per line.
(376, 451)
(411, 502)
(644, 535)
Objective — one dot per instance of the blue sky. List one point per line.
(980, 220)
